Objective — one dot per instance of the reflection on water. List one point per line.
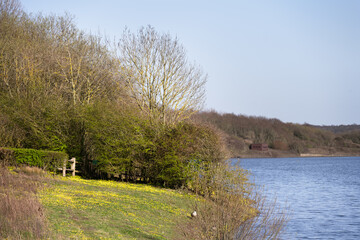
(323, 194)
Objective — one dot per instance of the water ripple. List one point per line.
(323, 194)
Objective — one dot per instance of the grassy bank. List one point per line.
(74, 208)
(36, 205)
(21, 214)
(95, 209)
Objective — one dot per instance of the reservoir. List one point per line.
(322, 194)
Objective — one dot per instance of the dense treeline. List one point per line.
(345, 134)
(121, 117)
(243, 130)
(340, 128)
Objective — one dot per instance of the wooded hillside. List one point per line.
(241, 131)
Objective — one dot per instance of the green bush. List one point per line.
(29, 157)
(49, 160)
(110, 140)
(178, 148)
(122, 144)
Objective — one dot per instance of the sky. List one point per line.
(294, 60)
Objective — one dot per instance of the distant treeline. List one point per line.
(241, 131)
(341, 128)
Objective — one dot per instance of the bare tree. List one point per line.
(48, 56)
(86, 66)
(159, 77)
(10, 7)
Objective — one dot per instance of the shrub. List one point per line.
(230, 208)
(49, 160)
(29, 157)
(179, 149)
(125, 145)
(297, 147)
(112, 136)
(7, 157)
(298, 134)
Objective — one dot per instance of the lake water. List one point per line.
(323, 194)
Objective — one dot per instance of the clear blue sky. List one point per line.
(295, 60)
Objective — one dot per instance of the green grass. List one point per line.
(96, 209)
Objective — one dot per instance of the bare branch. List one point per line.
(158, 75)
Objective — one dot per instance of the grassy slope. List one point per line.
(96, 209)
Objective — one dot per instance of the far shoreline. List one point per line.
(271, 153)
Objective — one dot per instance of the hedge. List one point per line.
(48, 160)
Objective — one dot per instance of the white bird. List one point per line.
(194, 214)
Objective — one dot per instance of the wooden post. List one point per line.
(72, 167)
(64, 169)
(73, 163)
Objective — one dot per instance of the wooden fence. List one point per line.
(72, 167)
